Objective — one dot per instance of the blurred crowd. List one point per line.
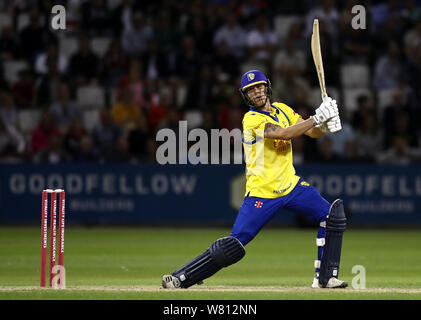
(173, 60)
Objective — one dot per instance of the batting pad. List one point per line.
(222, 253)
(335, 227)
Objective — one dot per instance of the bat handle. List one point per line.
(324, 97)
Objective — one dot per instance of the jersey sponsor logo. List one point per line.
(281, 145)
(304, 184)
(283, 190)
(258, 204)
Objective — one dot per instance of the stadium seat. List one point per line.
(5, 20)
(355, 76)
(384, 98)
(90, 97)
(194, 118)
(91, 118)
(112, 4)
(68, 46)
(23, 21)
(350, 98)
(28, 120)
(100, 45)
(12, 69)
(282, 24)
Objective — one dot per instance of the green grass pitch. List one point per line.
(128, 263)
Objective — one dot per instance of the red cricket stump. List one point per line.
(53, 234)
(62, 210)
(44, 235)
(59, 269)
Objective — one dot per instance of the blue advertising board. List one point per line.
(208, 194)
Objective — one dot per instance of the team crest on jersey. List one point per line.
(250, 76)
(258, 204)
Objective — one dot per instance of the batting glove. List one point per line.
(327, 110)
(334, 124)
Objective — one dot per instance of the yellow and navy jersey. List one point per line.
(270, 171)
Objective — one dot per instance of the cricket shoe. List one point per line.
(170, 282)
(331, 284)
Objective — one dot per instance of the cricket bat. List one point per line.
(317, 57)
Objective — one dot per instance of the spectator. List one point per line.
(159, 106)
(392, 112)
(122, 16)
(187, 60)
(42, 133)
(24, 90)
(138, 138)
(201, 34)
(9, 47)
(48, 85)
(73, 137)
(412, 42)
(289, 60)
(105, 135)
(121, 152)
(166, 34)
(325, 152)
(343, 142)
(233, 35)
(365, 105)
(389, 70)
(12, 143)
(402, 130)
(54, 153)
(296, 34)
(356, 46)
(369, 137)
(223, 62)
(327, 14)
(381, 12)
(199, 92)
(136, 37)
(34, 37)
(8, 110)
(96, 18)
(87, 152)
(125, 110)
(84, 64)
(261, 41)
(154, 61)
(64, 111)
(51, 53)
(134, 79)
(113, 64)
(399, 153)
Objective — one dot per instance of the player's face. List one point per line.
(257, 95)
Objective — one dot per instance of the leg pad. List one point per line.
(335, 227)
(222, 253)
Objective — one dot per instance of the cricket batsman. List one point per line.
(268, 129)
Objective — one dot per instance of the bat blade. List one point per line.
(317, 57)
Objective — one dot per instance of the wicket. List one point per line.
(53, 233)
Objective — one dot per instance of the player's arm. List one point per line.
(273, 131)
(313, 132)
(326, 111)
